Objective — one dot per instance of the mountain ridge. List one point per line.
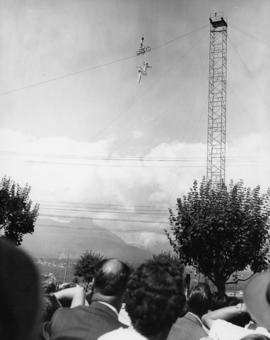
(54, 239)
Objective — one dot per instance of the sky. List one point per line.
(91, 141)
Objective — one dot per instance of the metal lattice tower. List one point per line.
(216, 133)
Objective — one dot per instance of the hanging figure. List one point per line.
(143, 49)
(142, 70)
(141, 44)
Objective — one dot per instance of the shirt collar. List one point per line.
(109, 306)
(196, 317)
(200, 321)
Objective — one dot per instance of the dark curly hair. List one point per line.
(199, 300)
(155, 296)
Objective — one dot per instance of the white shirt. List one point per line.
(224, 330)
(123, 316)
(123, 334)
(200, 321)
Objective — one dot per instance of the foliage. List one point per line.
(85, 267)
(17, 216)
(220, 230)
(167, 256)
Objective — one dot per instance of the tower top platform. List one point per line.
(217, 20)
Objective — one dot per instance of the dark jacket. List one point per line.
(187, 328)
(81, 323)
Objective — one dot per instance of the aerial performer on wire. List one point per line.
(142, 70)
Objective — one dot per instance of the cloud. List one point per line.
(147, 239)
(137, 134)
(129, 197)
(248, 159)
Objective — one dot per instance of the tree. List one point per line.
(17, 215)
(221, 230)
(167, 256)
(85, 266)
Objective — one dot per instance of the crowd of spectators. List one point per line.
(150, 302)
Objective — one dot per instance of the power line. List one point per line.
(103, 211)
(102, 218)
(104, 163)
(70, 227)
(248, 71)
(148, 210)
(257, 39)
(98, 158)
(104, 204)
(102, 208)
(115, 159)
(179, 37)
(112, 158)
(240, 58)
(142, 166)
(91, 68)
(160, 78)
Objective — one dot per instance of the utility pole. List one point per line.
(216, 133)
(66, 268)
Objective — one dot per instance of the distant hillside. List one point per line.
(53, 239)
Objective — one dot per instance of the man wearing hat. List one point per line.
(256, 303)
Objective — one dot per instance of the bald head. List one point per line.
(111, 277)
(112, 267)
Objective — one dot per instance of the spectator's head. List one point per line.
(110, 281)
(19, 294)
(233, 300)
(48, 283)
(199, 300)
(257, 299)
(155, 297)
(49, 306)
